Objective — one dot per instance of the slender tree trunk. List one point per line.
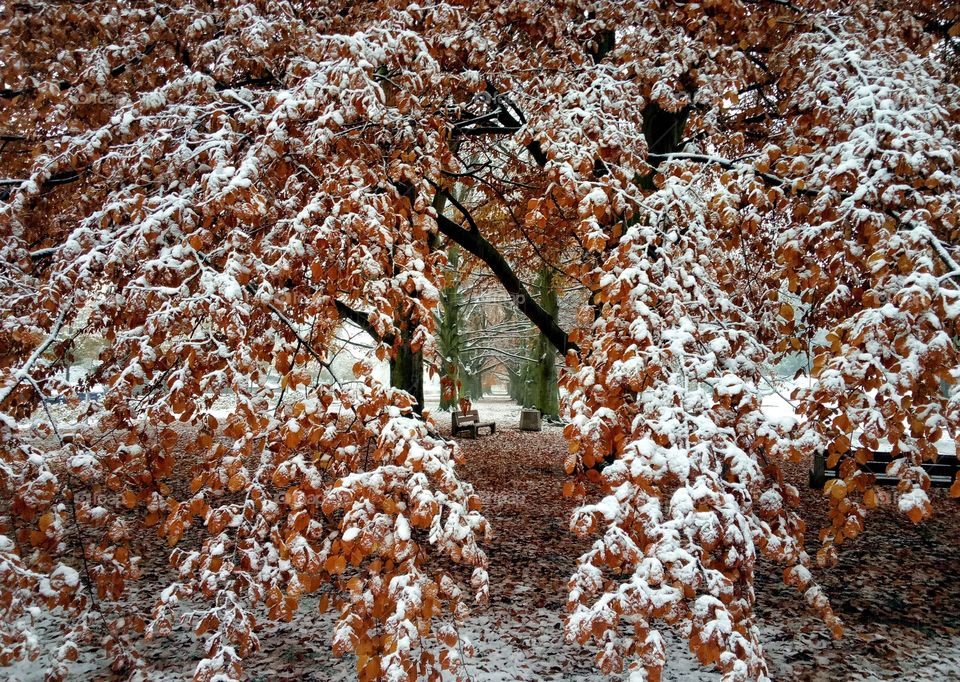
(515, 385)
(449, 332)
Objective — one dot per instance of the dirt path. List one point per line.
(519, 478)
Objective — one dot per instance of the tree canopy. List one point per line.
(213, 188)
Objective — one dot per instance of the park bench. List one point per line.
(942, 472)
(469, 422)
(83, 396)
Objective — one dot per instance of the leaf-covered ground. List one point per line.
(895, 588)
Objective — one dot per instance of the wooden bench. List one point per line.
(469, 421)
(942, 472)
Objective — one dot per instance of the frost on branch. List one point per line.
(328, 513)
(208, 191)
(710, 286)
(218, 212)
(669, 392)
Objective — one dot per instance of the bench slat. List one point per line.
(942, 471)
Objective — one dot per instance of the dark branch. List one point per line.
(61, 178)
(220, 86)
(362, 320)
(473, 241)
(460, 207)
(510, 118)
(488, 130)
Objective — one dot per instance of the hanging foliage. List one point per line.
(212, 189)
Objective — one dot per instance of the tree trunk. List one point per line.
(663, 131)
(540, 377)
(472, 384)
(406, 371)
(515, 385)
(449, 335)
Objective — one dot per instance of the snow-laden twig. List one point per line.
(24, 371)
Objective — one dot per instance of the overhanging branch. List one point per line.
(362, 320)
(475, 243)
(787, 184)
